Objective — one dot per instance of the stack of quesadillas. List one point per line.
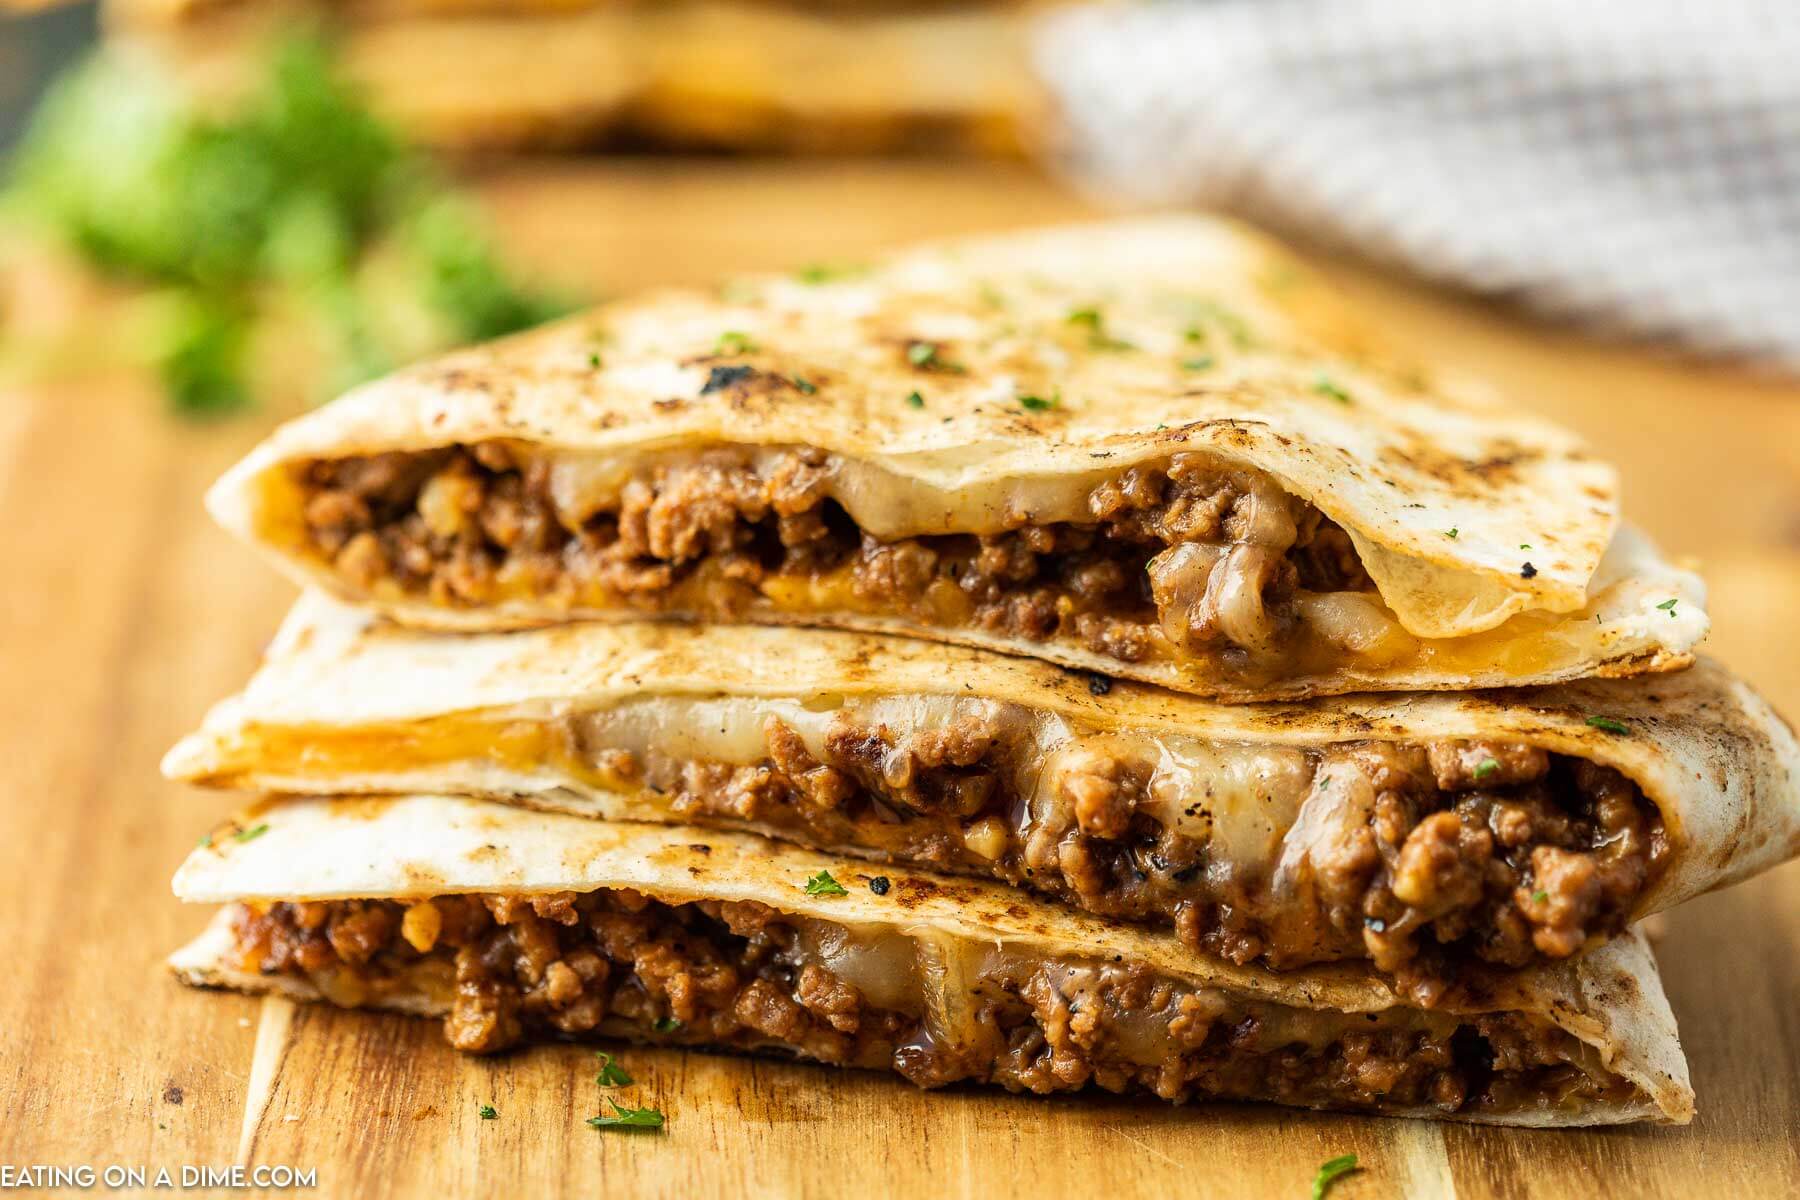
(1067, 659)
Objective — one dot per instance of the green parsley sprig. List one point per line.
(628, 1118)
(1330, 1171)
(220, 215)
(611, 1073)
(823, 884)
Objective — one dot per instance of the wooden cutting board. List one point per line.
(125, 614)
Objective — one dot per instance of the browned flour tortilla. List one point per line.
(1424, 834)
(518, 926)
(1152, 448)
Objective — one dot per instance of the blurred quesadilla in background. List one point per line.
(698, 74)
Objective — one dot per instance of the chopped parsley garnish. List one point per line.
(1201, 362)
(628, 1118)
(611, 1073)
(488, 1112)
(1539, 897)
(1524, 545)
(205, 841)
(733, 341)
(817, 273)
(1325, 385)
(1234, 326)
(666, 1025)
(914, 400)
(1330, 1171)
(1195, 334)
(823, 884)
(924, 355)
(1609, 724)
(1451, 532)
(250, 834)
(594, 360)
(880, 885)
(1668, 605)
(1486, 767)
(1039, 403)
(804, 386)
(1098, 338)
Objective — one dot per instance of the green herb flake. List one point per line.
(1203, 362)
(611, 1073)
(1668, 606)
(914, 400)
(1486, 767)
(1330, 1171)
(666, 1025)
(1451, 532)
(593, 360)
(1524, 545)
(1039, 403)
(205, 841)
(804, 386)
(1195, 334)
(1235, 327)
(1539, 897)
(814, 274)
(1325, 385)
(628, 1118)
(823, 884)
(250, 834)
(734, 341)
(1095, 322)
(921, 354)
(1610, 724)
(488, 1112)
(992, 296)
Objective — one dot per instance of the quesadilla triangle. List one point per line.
(1154, 448)
(516, 926)
(1422, 834)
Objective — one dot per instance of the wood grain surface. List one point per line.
(126, 613)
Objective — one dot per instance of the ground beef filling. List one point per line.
(1501, 851)
(1191, 556)
(739, 975)
(563, 963)
(1431, 857)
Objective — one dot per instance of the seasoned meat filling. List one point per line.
(614, 963)
(1190, 557)
(1419, 858)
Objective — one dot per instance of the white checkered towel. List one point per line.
(1634, 164)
